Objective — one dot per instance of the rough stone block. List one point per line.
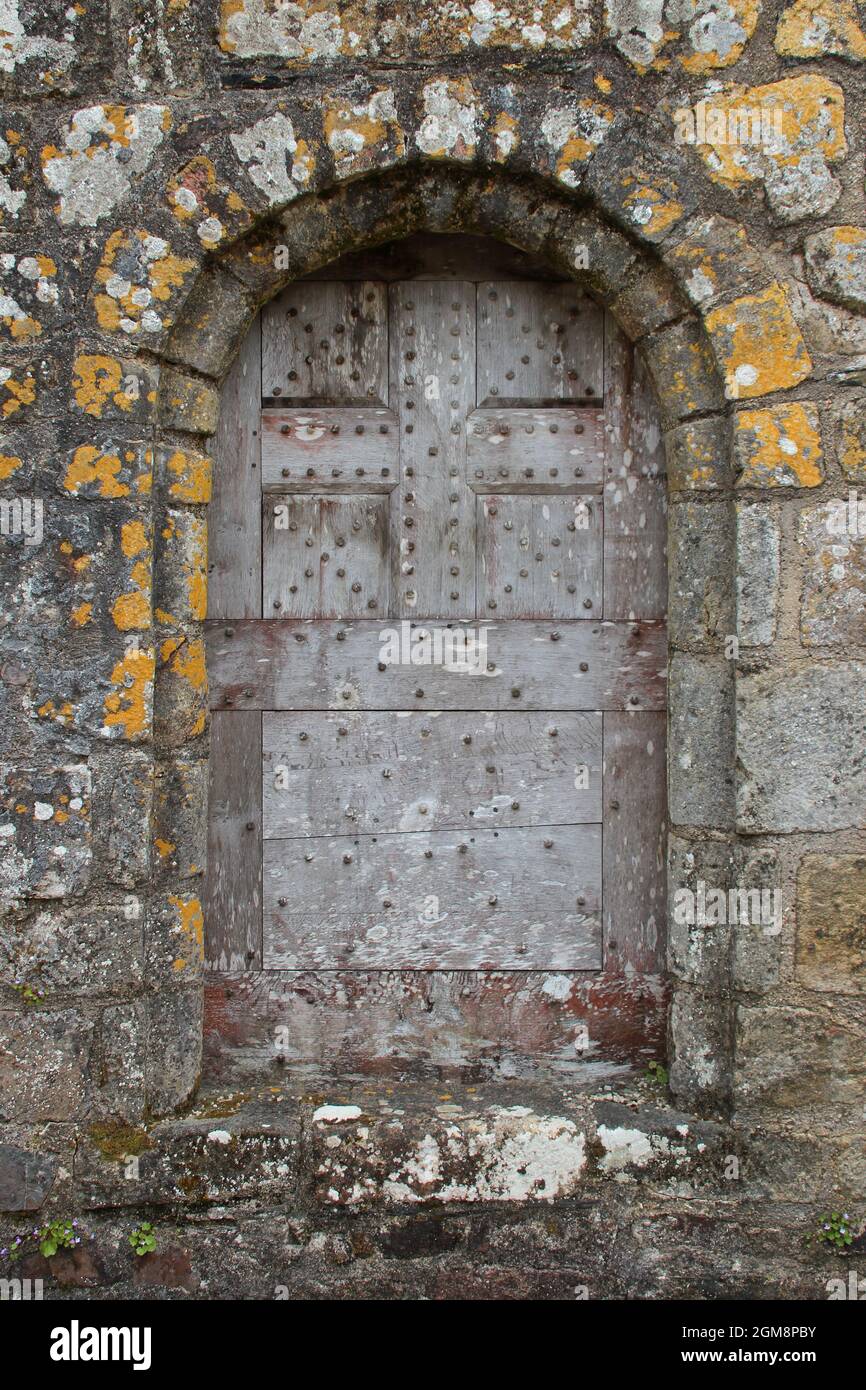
(683, 371)
(778, 447)
(215, 318)
(836, 264)
(174, 1019)
(46, 832)
(833, 604)
(44, 1064)
(757, 344)
(700, 547)
(757, 574)
(831, 923)
(700, 1028)
(88, 950)
(188, 403)
(701, 774)
(800, 753)
(698, 455)
(798, 1060)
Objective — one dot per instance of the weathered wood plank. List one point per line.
(539, 557)
(461, 1025)
(482, 899)
(432, 392)
(308, 666)
(322, 449)
(234, 515)
(330, 774)
(233, 885)
(635, 816)
(538, 343)
(325, 557)
(635, 497)
(550, 450)
(326, 342)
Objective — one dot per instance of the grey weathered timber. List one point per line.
(432, 392)
(538, 343)
(367, 772)
(233, 889)
(483, 900)
(634, 841)
(536, 666)
(324, 556)
(330, 449)
(541, 450)
(635, 495)
(326, 342)
(234, 520)
(539, 557)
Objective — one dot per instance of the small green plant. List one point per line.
(835, 1229)
(142, 1239)
(657, 1073)
(49, 1238)
(31, 995)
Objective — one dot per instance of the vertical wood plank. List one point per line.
(635, 497)
(433, 391)
(233, 889)
(234, 521)
(634, 824)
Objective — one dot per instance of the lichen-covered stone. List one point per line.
(852, 442)
(44, 1064)
(698, 455)
(139, 284)
(188, 403)
(821, 29)
(715, 260)
(758, 344)
(779, 446)
(99, 154)
(795, 166)
(682, 369)
(46, 832)
(836, 265)
(700, 542)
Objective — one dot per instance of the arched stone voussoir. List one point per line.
(538, 216)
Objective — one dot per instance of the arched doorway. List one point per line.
(429, 852)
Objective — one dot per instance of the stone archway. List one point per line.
(654, 312)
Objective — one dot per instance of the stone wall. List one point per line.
(151, 159)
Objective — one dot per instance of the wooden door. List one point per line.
(437, 657)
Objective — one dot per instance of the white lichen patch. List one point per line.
(104, 148)
(629, 1148)
(277, 163)
(336, 1114)
(450, 123)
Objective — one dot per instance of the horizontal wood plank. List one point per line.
(442, 901)
(553, 450)
(341, 772)
(470, 1025)
(321, 449)
(294, 665)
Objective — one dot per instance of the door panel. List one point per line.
(539, 557)
(517, 899)
(328, 343)
(397, 836)
(372, 773)
(324, 556)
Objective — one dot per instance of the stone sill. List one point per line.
(364, 1145)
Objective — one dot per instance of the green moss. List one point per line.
(117, 1141)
